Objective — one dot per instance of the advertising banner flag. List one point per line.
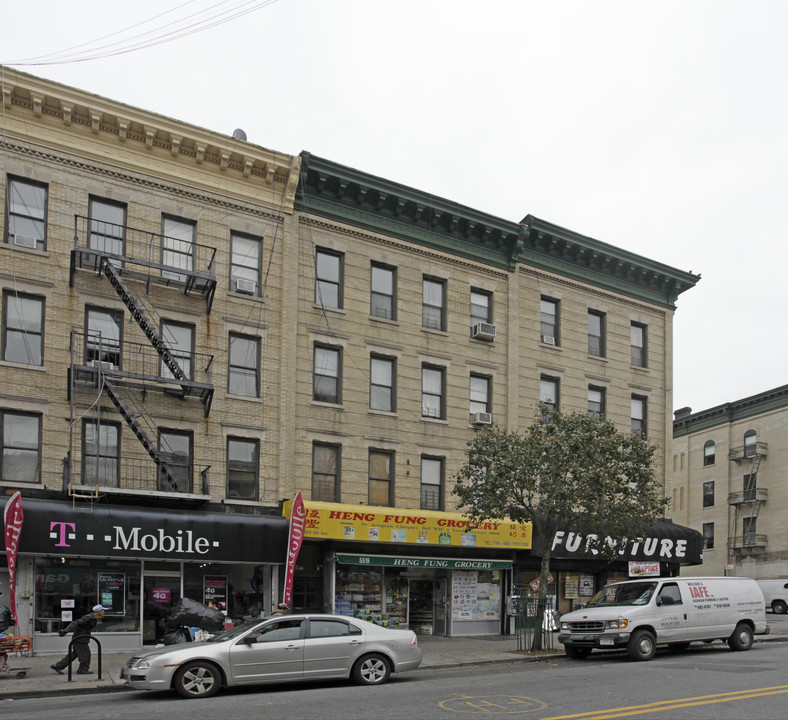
(294, 540)
(13, 517)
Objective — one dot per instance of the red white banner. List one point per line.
(13, 518)
(294, 539)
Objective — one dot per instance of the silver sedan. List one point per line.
(290, 647)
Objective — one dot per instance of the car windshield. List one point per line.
(239, 629)
(624, 594)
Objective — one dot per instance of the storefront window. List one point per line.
(66, 591)
(476, 595)
(379, 596)
(239, 589)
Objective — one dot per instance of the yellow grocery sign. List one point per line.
(335, 521)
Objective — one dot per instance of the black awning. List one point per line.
(59, 528)
(663, 542)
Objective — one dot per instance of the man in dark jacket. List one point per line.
(81, 642)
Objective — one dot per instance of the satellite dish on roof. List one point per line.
(239, 134)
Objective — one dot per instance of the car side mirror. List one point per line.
(250, 639)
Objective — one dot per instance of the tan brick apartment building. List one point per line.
(195, 328)
(728, 469)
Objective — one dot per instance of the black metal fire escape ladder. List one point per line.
(165, 476)
(139, 315)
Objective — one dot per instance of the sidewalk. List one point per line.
(439, 652)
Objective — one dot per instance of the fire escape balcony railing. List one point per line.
(142, 255)
(755, 495)
(748, 452)
(749, 541)
(139, 475)
(138, 365)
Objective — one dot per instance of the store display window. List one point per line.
(376, 595)
(66, 591)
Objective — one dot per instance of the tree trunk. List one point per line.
(541, 596)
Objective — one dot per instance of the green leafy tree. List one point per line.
(572, 471)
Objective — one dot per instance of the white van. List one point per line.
(640, 614)
(775, 594)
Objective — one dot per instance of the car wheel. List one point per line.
(779, 607)
(371, 670)
(642, 645)
(741, 638)
(576, 653)
(198, 679)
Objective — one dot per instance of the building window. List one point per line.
(382, 378)
(328, 279)
(548, 320)
(100, 453)
(708, 494)
(750, 443)
(243, 462)
(637, 333)
(27, 213)
(326, 466)
(433, 304)
(175, 449)
(433, 392)
(246, 256)
(103, 337)
(107, 226)
(749, 531)
(481, 307)
(596, 400)
(638, 414)
(179, 338)
(750, 487)
(708, 536)
(243, 374)
(177, 246)
(548, 392)
(381, 478)
(709, 453)
(23, 328)
(596, 333)
(21, 442)
(431, 483)
(327, 372)
(382, 294)
(480, 395)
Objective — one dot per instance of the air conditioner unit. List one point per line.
(247, 287)
(103, 365)
(481, 418)
(24, 240)
(548, 339)
(483, 331)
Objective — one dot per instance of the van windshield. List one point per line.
(624, 594)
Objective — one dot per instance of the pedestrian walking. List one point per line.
(6, 621)
(282, 609)
(80, 647)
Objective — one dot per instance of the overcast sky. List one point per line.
(659, 127)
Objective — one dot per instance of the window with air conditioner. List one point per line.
(548, 321)
(245, 263)
(26, 218)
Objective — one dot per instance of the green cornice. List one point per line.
(768, 401)
(345, 195)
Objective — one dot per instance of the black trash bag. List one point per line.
(178, 635)
(194, 614)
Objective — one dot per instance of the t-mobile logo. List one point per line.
(60, 531)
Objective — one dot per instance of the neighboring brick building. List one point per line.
(195, 328)
(729, 465)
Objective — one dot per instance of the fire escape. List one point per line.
(745, 505)
(132, 262)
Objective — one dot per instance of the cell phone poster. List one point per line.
(112, 592)
(215, 589)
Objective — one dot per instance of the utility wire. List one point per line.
(148, 39)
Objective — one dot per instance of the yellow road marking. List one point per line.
(664, 705)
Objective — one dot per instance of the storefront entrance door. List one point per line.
(162, 591)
